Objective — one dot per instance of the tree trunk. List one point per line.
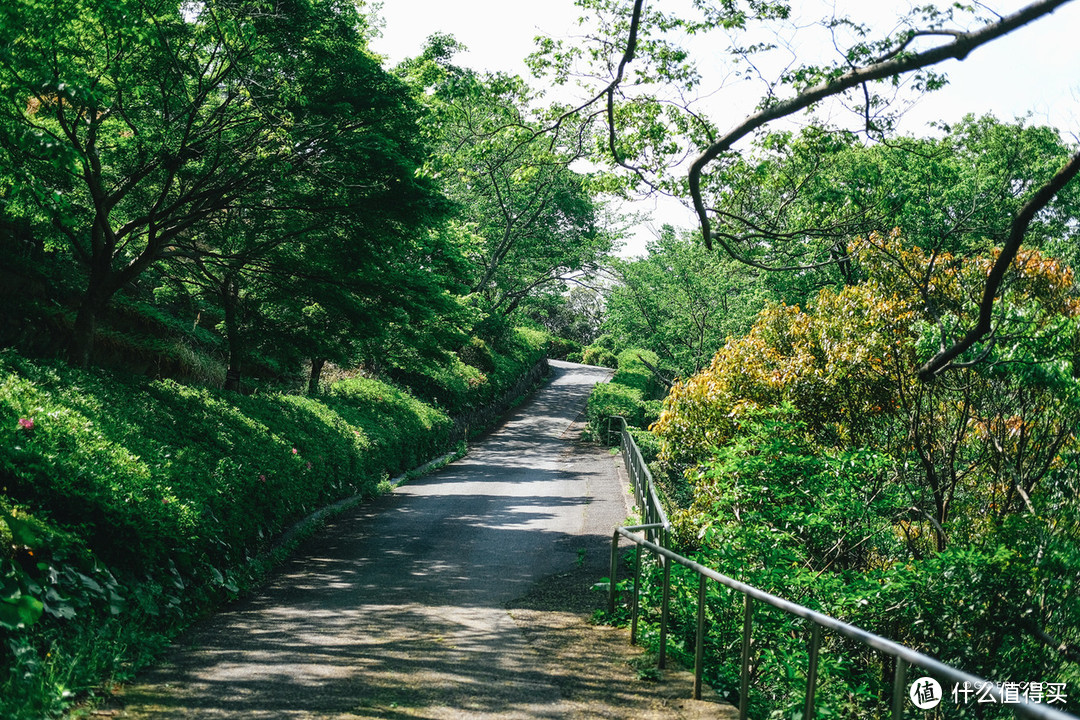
(93, 304)
(82, 339)
(317, 365)
(229, 303)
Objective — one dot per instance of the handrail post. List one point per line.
(905, 657)
(811, 671)
(744, 670)
(614, 568)
(699, 651)
(662, 662)
(634, 602)
(899, 680)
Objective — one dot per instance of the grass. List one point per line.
(130, 507)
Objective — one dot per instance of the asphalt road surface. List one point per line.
(398, 608)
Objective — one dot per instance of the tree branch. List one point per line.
(959, 48)
(943, 359)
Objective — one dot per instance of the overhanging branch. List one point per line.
(994, 278)
(959, 48)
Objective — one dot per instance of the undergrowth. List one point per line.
(130, 507)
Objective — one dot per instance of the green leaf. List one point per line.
(22, 532)
(58, 605)
(19, 613)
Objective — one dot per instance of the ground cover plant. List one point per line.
(632, 394)
(130, 506)
(944, 515)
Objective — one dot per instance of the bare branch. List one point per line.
(959, 48)
(1017, 230)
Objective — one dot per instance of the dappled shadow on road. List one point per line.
(403, 650)
(401, 660)
(480, 554)
(398, 609)
(407, 632)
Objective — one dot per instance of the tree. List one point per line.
(986, 439)
(821, 467)
(138, 125)
(536, 221)
(681, 301)
(652, 126)
(573, 311)
(802, 197)
(351, 304)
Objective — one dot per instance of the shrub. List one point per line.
(477, 353)
(608, 400)
(457, 385)
(599, 356)
(626, 395)
(129, 505)
(941, 514)
(561, 348)
(633, 372)
(451, 385)
(647, 443)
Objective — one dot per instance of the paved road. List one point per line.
(398, 608)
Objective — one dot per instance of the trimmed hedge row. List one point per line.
(479, 373)
(630, 393)
(130, 506)
(152, 471)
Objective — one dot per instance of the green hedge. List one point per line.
(632, 372)
(563, 349)
(130, 506)
(609, 399)
(603, 357)
(149, 472)
(630, 393)
(480, 372)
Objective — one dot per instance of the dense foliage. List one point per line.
(681, 301)
(956, 192)
(536, 221)
(202, 175)
(208, 208)
(129, 506)
(675, 126)
(208, 141)
(239, 195)
(940, 514)
(632, 394)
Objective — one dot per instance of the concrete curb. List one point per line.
(496, 411)
(313, 521)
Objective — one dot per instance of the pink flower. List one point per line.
(294, 451)
(26, 424)
(262, 478)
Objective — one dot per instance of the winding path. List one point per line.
(398, 608)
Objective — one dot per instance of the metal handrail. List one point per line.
(652, 510)
(904, 655)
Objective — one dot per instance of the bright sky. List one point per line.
(1035, 69)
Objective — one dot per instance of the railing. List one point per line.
(653, 517)
(656, 527)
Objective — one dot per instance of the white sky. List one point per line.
(1035, 69)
